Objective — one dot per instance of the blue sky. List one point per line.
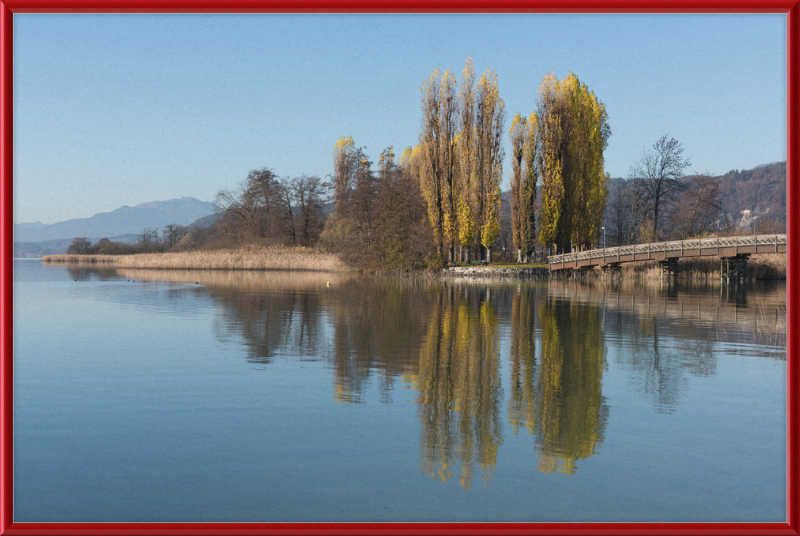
(113, 110)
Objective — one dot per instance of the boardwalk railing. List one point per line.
(728, 246)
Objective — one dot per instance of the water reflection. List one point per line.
(83, 273)
(444, 339)
(569, 408)
(521, 401)
(377, 326)
(459, 383)
(734, 291)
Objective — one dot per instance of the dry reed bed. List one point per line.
(762, 266)
(246, 258)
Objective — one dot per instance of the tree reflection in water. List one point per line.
(459, 383)
(569, 412)
(443, 339)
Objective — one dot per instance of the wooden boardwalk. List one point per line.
(728, 247)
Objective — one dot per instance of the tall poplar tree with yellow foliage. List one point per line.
(437, 170)
(590, 133)
(488, 153)
(343, 162)
(522, 136)
(466, 142)
(572, 133)
(461, 158)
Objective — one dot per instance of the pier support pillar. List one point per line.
(670, 266)
(612, 268)
(733, 268)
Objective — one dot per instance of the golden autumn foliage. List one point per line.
(460, 159)
(572, 133)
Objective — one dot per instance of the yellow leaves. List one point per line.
(448, 227)
(466, 225)
(469, 69)
(491, 226)
(517, 123)
(343, 144)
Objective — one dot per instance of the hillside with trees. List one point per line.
(737, 202)
(761, 190)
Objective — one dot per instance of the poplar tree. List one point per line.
(554, 130)
(571, 134)
(522, 135)
(516, 135)
(489, 121)
(466, 177)
(439, 158)
(430, 174)
(449, 161)
(530, 177)
(343, 163)
(461, 154)
(590, 132)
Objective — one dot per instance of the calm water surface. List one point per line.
(202, 396)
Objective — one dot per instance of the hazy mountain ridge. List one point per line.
(122, 221)
(760, 190)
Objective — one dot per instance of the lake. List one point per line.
(275, 396)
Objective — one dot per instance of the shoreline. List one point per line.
(496, 272)
(763, 267)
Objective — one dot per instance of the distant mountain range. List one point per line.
(122, 221)
(124, 224)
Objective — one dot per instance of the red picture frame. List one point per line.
(9, 7)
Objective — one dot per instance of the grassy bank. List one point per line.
(245, 258)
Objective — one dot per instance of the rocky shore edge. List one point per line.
(492, 271)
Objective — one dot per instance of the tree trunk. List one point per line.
(519, 255)
(655, 222)
(468, 254)
(451, 254)
(489, 255)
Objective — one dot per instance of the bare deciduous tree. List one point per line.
(626, 214)
(80, 246)
(660, 171)
(238, 212)
(173, 233)
(698, 208)
(310, 194)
